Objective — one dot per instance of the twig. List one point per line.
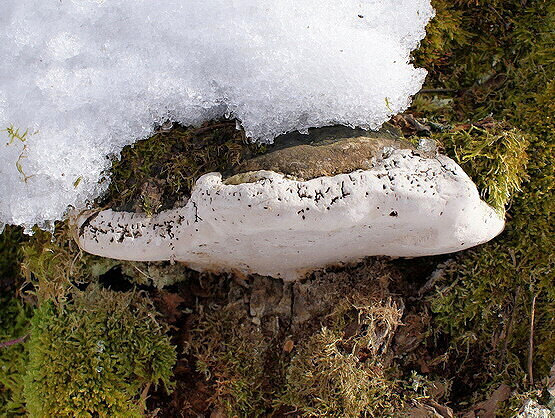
(13, 342)
(144, 393)
(216, 126)
(142, 272)
(510, 326)
(531, 348)
(445, 91)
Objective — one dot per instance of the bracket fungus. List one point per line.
(295, 209)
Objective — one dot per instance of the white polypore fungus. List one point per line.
(406, 205)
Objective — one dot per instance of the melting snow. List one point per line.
(84, 78)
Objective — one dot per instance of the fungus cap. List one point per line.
(406, 205)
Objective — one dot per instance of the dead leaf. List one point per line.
(439, 389)
(288, 346)
(409, 125)
(431, 409)
(170, 303)
(351, 330)
(418, 412)
(487, 408)
(441, 410)
(412, 333)
(551, 384)
(218, 413)
(423, 366)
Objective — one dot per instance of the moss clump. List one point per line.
(324, 380)
(251, 340)
(10, 255)
(341, 371)
(158, 274)
(93, 355)
(14, 326)
(493, 155)
(52, 263)
(155, 173)
(55, 265)
(229, 352)
(443, 34)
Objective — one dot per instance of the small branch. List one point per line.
(216, 126)
(144, 393)
(510, 326)
(531, 347)
(440, 91)
(13, 342)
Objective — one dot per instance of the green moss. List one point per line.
(503, 67)
(55, 265)
(340, 370)
(323, 380)
(75, 334)
(10, 254)
(48, 263)
(493, 156)
(444, 33)
(155, 274)
(230, 354)
(95, 355)
(155, 173)
(14, 325)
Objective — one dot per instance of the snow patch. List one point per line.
(86, 78)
